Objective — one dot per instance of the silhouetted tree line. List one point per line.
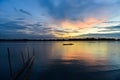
(74, 39)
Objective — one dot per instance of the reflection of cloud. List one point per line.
(87, 52)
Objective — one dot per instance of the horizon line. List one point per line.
(63, 39)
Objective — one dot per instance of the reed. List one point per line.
(25, 68)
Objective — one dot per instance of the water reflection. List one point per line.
(91, 53)
(89, 60)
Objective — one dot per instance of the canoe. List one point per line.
(68, 44)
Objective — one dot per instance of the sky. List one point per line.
(36, 19)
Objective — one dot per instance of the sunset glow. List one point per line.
(88, 23)
(59, 19)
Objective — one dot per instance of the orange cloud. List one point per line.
(90, 22)
(82, 27)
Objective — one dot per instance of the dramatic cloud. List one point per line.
(90, 22)
(78, 9)
(80, 14)
(59, 18)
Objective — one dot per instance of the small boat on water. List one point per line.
(68, 44)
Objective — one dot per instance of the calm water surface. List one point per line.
(87, 60)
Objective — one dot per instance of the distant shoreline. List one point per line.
(84, 39)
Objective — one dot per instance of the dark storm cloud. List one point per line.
(13, 25)
(14, 29)
(66, 31)
(19, 25)
(61, 31)
(25, 12)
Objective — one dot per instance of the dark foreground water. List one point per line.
(87, 60)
